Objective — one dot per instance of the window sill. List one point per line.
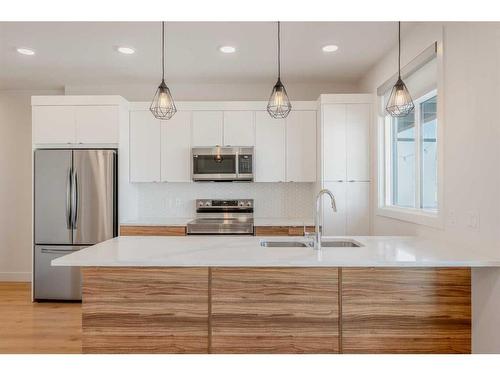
(411, 215)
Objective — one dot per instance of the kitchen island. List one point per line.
(231, 295)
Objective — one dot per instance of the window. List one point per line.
(412, 157)
(409, 147)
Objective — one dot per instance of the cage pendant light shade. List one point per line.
(163, 106)
(400, 103)
(279, 105)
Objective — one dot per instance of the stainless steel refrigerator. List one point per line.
(75, 207)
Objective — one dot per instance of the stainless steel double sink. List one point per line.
(306, 243)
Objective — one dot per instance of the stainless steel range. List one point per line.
(214, 216)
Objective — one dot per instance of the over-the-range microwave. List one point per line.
(222, 163)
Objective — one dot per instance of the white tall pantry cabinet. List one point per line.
(344, 144)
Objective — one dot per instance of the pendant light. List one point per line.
(400, 103)
(163, 106)
(279, 105)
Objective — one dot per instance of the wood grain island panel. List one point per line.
(406, 310)
(153, 230)
(274, 310)
(281, 230)
(145, 310)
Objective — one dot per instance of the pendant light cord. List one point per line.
(279, 52)
(163, 50)
(399, 49)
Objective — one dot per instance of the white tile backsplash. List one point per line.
(272, 200)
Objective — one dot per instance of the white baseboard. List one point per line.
(15, 276)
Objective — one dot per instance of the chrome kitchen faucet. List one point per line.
(317, 219)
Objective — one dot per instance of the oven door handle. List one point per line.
(237, 164)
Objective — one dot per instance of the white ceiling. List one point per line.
(84, 53)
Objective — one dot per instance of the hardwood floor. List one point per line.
(46, 327)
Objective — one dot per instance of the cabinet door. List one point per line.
(145, 145)
(358, 208)
(334, 223)
(207, 128)
(53, 124)
(358, 141)
(97, 124)
(400, 310)
(239, 129)
(269, 148)
(334, 142)
(274, 310)
(301, 146)
(176, 148)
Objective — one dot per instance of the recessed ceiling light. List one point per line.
(126, 50)
(330, 48)
(227, 49)
(25, 51)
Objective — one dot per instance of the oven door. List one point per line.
(208, 167)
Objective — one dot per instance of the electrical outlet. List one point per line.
(473, 219)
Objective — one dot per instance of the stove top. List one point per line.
(216, 216)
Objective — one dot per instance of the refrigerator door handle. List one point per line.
(74, 200)
(68, 200)
(56, 251)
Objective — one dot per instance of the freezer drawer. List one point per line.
(61, 283)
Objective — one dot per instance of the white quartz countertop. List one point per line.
(241, 251)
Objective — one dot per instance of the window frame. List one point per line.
(428, 217)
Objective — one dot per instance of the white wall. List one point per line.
(471, 94)
(15, 184)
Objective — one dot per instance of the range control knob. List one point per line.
(241, 204)
(249, 204)
(207, 204)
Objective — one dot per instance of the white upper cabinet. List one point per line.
(269, 148)
(97, 124)
(239, 129)
(176, 148)
(56, 124)
(334, 142)
(207, 128)
(145, 147)
(53, 124)
(345, 142)
(358, 142)
(301, 146)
